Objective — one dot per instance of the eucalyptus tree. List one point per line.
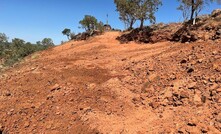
(191, 8)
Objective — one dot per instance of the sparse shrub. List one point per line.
(100, 27)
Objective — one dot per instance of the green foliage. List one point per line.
(17, 43)
(12, 52)
(89, 23)
(47, 42)
(67, 32)
(3, 38)
(127, 10)
(132, 10)
(100, 26)
(38, 43)
(91, 26)
(146, 10)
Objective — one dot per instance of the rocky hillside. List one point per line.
(102, 86)
(207, 27)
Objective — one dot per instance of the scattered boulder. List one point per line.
(218, 90)
(184, 94)
(218, 118)
(192, 122)
(205, 29)
(168, 94)
(55, 87)
(192, 85)
(27, 124)
(218, 32)
(216, 13)
(190, 70)
(150, 34)
(197, 99)
(214, 86)
(154, 105)
(7, 93)
(86, 35)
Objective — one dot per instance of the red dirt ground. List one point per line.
(102, 86)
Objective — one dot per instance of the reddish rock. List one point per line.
(216, 12)
(218, 90)
(154, 105)
(55, 87)
(168, 94)
(218, 118)
(197, 99)
(192, 85)
(214, 86)
(184, 94)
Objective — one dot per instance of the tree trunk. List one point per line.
(141, 23)
(131, 24)
(192, 10)
(194, 20)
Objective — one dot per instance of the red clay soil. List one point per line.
(102, 86)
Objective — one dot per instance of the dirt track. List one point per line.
(102, 86)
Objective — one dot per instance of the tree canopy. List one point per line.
(146, 10)
(67, 32)
(47, 42)
(3, 37)
(89, 23)
(132, 10)
(11, 52)
(127, 10)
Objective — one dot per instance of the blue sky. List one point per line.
(33, 20)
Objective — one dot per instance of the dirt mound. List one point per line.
(208, 27)
(101, 86)
(155, 33)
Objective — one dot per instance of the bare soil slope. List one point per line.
(102, 86)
